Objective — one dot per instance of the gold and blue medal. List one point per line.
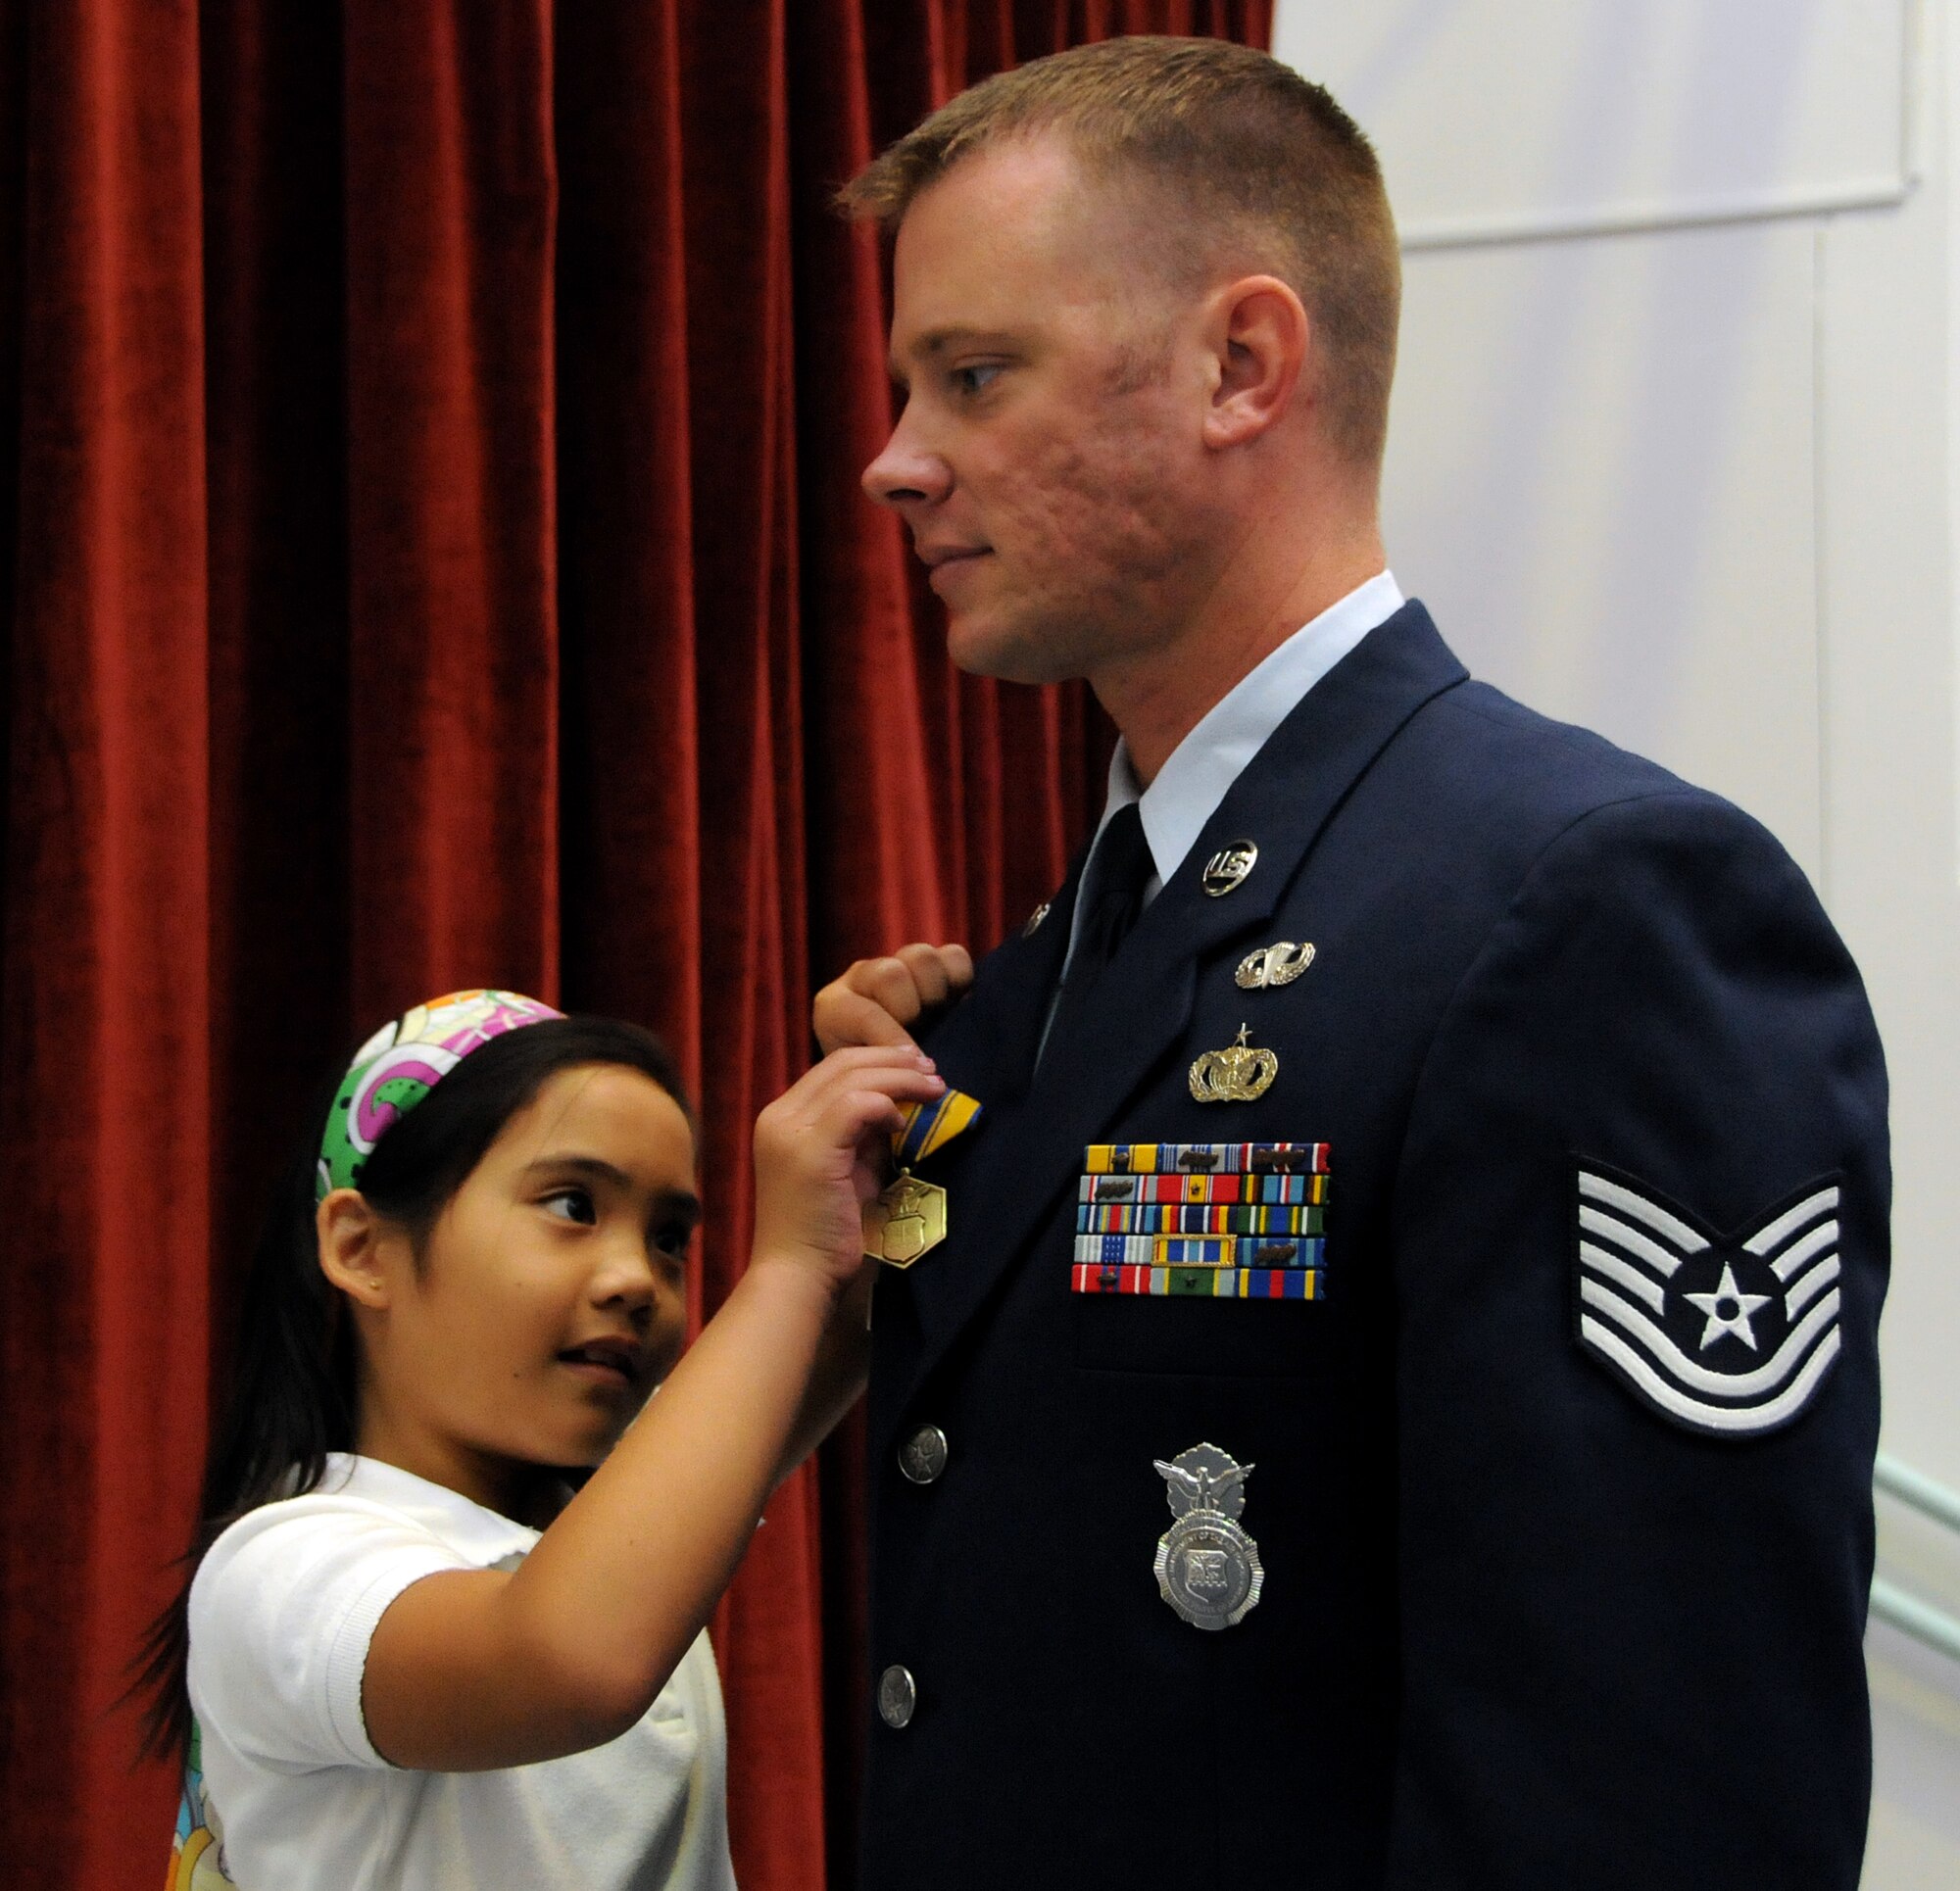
(908, 1218)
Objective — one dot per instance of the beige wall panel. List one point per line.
(1600, 480)
(1509, 116)
(1885, 326)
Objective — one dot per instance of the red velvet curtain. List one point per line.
(430, 553)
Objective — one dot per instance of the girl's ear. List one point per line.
(349, 1237)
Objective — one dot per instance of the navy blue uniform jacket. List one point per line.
(1533, 1619)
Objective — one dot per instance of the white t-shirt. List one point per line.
(281, 1613)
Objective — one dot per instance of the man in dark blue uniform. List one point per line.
(1393, 1404)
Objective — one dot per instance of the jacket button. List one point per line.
(898, 1695)
(922, 1456)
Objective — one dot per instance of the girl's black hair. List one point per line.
(291, 1386)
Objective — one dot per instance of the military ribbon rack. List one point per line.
(1233, 1221)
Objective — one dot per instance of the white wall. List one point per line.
(1671, 456)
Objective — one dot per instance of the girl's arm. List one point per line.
(470, 1669)
(876, 1001)
(843, 1369)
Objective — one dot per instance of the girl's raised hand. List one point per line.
(821, 1152)
(879, 1000)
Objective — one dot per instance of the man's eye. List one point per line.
(975, 378)
(570, 1204)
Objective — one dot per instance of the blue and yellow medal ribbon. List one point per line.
(930, 1127)
(909, 1218)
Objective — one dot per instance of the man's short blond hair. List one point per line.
(1261, 162)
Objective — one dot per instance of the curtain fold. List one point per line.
(431, 554)
(451, 195)
(104, 984)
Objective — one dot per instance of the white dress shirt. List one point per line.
(1201, 768)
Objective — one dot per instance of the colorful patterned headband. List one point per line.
(401, 1063)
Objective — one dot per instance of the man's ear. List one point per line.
(350, 1239)
(1260, 333)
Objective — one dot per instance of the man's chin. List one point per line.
(982, 645)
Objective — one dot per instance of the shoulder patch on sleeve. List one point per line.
(1728, 1334)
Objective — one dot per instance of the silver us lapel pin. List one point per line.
(1208, 1568)
(1228, 868)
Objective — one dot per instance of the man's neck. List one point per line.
(1157, 698)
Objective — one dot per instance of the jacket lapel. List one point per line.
(986, 1045)
(1136, 1015)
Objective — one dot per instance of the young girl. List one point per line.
(413, 1657)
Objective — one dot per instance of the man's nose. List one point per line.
(905, 473)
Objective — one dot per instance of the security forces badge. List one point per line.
(1727, 1335)
(1208, 1568)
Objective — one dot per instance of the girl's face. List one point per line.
(551, 1295)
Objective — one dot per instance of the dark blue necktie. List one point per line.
(1118, 869)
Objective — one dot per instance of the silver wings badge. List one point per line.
(1727, 1335)
(1208, 1568)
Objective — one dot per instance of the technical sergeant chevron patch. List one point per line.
(1727, 1335)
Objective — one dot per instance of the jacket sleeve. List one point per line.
(1635, 1490)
